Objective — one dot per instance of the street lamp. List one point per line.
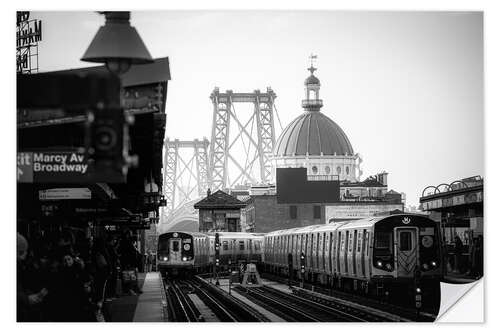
(117, 44)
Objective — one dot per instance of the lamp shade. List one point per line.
(117, 41)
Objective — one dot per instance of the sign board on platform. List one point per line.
(34, 167)
(65, 167)
(65, 194)
(357, 211)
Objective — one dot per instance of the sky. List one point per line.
(406, 87)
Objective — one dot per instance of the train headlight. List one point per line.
(433, 263)
(388, 266)
(425, 266)
(379, 263)
(165, 259)
(184, 259)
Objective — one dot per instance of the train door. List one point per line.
(175, 249)
(348, 236)
(352, 248)
(326, 252)
(336, 254)
(359, 254)
(306, 250)
(405, 250)
(330, 256)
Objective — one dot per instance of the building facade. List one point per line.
(330, 189)
(458, 209)
(219, 212)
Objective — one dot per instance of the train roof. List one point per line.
(239, 235)
(361, 223)
(192, 233)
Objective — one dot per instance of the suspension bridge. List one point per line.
(239, 153)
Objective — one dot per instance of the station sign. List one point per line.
(51, 167)
(356, 211)
(65, 194)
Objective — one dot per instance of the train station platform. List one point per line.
(145, 307)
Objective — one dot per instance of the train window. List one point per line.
(242, 245)
(405, 242)
(350, 242)
(367, 238)
(225, 245)
(317, 212)
(383, 240)
(175, 246)
(359, 243)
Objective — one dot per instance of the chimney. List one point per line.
(208, 193)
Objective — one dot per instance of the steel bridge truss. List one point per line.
(256, 134)
(186, 175)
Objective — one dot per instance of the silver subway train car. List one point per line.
(366, 255)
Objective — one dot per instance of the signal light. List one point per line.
(302, 263)
(418, 290)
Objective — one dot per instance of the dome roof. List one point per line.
(313, 133)
(311, 80)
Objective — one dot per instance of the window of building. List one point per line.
(317, 212)
(242, 245)
(339, 170)
(327, 170)
(293, 212)
(315, 169)
(347, 170)
(225, 246)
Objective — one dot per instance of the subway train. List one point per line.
(370, 255)
(180, 252)
(194, 252)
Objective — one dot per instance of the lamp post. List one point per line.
(117, 44)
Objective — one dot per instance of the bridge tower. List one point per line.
(186, 172)
(253, 137)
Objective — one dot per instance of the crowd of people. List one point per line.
(67, 277)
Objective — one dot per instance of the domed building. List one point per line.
(316, 142)
(317, 176)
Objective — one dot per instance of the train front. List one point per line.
(175, 253)
(407, 247)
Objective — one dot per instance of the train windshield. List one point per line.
(383, 241)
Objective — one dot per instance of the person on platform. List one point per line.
(27, 301)
(100, 258)
(114, 264)
(477, 258)
(129, 262)
(458, 254)
(69, 301)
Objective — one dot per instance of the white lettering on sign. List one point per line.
(358, 211)
(65, 194)
(63, 162)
